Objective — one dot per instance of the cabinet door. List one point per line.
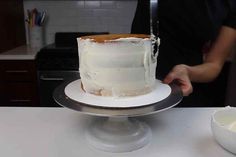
(12, 29)
(18, 83)
(2, 95)
(18, 71)
(19, 94)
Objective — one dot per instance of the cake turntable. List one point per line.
(118, 130)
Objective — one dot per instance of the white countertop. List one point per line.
(59, 132)
(20, 53)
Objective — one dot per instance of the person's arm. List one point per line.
(215, 59)
(211, 67)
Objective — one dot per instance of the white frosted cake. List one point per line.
(117, 64)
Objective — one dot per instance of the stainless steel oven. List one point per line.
(49, 80)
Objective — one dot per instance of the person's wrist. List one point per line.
(188, 71)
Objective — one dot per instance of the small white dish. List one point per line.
(223, 125)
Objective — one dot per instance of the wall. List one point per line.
(85, 16)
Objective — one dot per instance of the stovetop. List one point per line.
(63, 54)
(58, 58)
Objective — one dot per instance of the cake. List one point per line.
(117, 65)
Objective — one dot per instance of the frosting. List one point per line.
(117, 67)
(232, 126)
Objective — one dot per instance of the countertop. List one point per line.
(20, 53)
(59, 132)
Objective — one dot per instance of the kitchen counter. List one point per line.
(59, 132)
(20, 53)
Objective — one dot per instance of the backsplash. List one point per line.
(84, 16)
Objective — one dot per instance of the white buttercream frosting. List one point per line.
(120, 67)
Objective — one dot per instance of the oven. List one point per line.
(49, 80)
(58, 63)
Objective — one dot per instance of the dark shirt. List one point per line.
(219, 12)
(185, 27)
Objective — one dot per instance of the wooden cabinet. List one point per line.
(18, 83)
(12, 28)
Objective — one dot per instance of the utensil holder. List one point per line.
(36, 37)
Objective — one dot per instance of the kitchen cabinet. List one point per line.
(18, 77)
(18, 85)
(12, 29)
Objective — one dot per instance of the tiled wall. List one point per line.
(85, 15)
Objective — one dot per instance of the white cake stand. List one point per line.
(117, 130)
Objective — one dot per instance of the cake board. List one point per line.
(116, 129)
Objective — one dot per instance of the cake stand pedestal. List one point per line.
(116, 129)
(118, 134)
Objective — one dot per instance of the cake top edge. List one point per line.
(113, 37)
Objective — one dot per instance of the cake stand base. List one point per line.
(118, 134)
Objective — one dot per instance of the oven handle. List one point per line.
(20, 100)
(51, 78)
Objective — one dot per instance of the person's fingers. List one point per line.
(187, 89)
(182, 81)
(185, 85)
(179, 74)
(169, 78)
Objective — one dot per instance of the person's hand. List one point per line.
(180, 74)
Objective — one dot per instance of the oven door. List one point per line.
(49, 80)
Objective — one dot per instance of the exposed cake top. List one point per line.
(112, 37)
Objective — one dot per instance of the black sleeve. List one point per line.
(141, 23)
(231, 16)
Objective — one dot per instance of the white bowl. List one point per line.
(223, 125)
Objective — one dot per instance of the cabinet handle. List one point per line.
(19, 100)
(51, 78)
(17, 71)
